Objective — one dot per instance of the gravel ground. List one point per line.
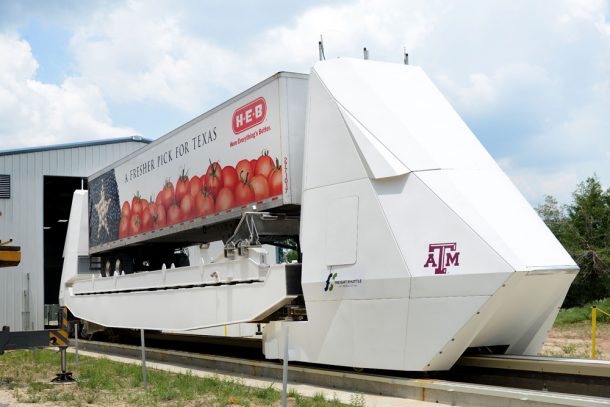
(574, 340)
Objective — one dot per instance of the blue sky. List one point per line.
(532, 79)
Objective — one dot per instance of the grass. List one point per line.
(581, 314)
(103, 382)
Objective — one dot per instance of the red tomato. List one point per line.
(264, 165)
(135, 224)
(159, 219)
(147, 219)
(229, 177)
(173, 214)
(244, 192)
(124, 227)
(214, 178)
(159, 200)
(224, 199)
(168, 194)
(260, 187)
(244, 170)
(204, 204)
(182, 186)
(195, 186)
(187, 206)
(253, 164)
(144, 203)
(126, 210)
(275, 180)
(136, 204)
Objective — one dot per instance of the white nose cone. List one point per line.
(416, 245)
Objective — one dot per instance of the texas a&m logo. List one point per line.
(249, 115)
(441, 256)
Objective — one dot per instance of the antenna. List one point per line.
(406, 56)
(321, 49)
(366, 53)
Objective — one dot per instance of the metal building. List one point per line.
(36, 186)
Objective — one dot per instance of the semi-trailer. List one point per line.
(412, 245)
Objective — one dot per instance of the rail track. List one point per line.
(475, 380)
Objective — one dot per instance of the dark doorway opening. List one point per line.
(57, 200)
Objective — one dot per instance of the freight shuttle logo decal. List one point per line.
(249, 115)
(330, 282)
(441, 256)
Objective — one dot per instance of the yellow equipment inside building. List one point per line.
(10, 256)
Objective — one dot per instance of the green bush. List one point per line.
(580, 314)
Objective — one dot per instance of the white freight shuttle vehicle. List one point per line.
(415, 245)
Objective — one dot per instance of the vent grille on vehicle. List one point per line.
(5, 186)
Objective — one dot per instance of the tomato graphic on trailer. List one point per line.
(126, 210)
(244, 169)
(134, 224)
(243, 192)
(229, 177)
(173, 214)
(195, 186)
(182, 186)
(187, 205)
(275, 179)
(204, 204)
(224, 200)
(167, 198)
(264, 165)
(214, 178)
(232, 149)
(159, 219)
(124, 227)
(147, 219)
(260, 187)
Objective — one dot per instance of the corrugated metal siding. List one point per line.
(22, 219)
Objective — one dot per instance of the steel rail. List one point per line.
(541, 364)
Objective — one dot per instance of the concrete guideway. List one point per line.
(302, 389)
(376, 390)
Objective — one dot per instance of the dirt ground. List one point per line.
(574, 341)
(6, 400)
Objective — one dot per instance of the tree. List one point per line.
(556, 219)
(590, 213)
(584, 230)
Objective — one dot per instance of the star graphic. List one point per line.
(102, 211)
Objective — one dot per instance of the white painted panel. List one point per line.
(380, 270)
(342, 231)
(330, 154)
(405, 111)
(379, 161)
(421, 223)
(441, 319)
(385, 319)
(500, 214)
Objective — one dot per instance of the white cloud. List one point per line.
(384, 27)
(137, 53)
(141, 54)
(33, 113)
